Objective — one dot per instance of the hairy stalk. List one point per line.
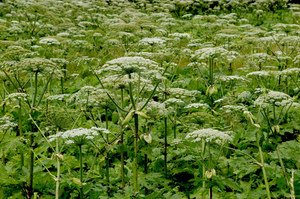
(283, 170)
(122, 144)
(135, 165)
(31, 167)
(20, 130)
(35, 88)
(81, 172)
(210, 168)
(122, 159)
(203, 169)
(263, 169)
(146, 156)
(136, 130)
(58, 171)
(166, 144)
(107, 153)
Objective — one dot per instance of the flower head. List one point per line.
(6, 123)
(77, 136)
(210, 135)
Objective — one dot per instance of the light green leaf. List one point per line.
(128, 117)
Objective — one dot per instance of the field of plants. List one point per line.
(149, 99)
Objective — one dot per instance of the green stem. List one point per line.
(210, 169)
(35, 88)
(282, 167)
(58, 171)
(122, 159)
(203, 168)
(166, 144)
(8, 77)
(263, 169)
(31, 167)
(131, 93)
(20, 130)
(107, 153)
(135, 165)
(81, 172)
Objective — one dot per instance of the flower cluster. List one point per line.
(152, 41)
(49, 41)
(210, 135)
(233, 108)
(15, 98)
(6, 123)
(37, 64)
(196, 106)
(128, 65)
(75, 136)
(273, 98)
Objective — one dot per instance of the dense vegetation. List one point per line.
(149, 99)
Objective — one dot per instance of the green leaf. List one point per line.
(147, 138)
(140, 113)
(128, 117)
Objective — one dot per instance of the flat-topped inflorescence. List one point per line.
(6, 123)
(273, 98)
(128, 65)
(210, 135)
(76, 136)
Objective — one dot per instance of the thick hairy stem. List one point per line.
(62, 85)
(81, 172)
(107, 153)
(264, 173)
(122, 159)
(20, 130)
(131, 93)
(166, 145)
(35, 88)
(135, 165)
(175, 127)
(58, 171)
(203, 168)
(210, 168)
(146, 163)
(283, 168)
(31, 167)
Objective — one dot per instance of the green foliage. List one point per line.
(150, 72)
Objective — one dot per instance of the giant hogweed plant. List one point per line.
(76, 36)
(273, 109)
(19, 80)
(131, 66)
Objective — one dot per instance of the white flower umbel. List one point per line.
(77, 136)
(193, 106)
(49, 41)
(128, 65)
(210, 135)
(174, 101)
(273, 98)
(152, 41)
(156, 109)
(258, 74)
(291, 71)
(183, 93)
(102, 130)
(59, 97)
(37, 64)
(230, 78)
(233, 108)
(6, 123)
(15, 98)
(180, 35)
